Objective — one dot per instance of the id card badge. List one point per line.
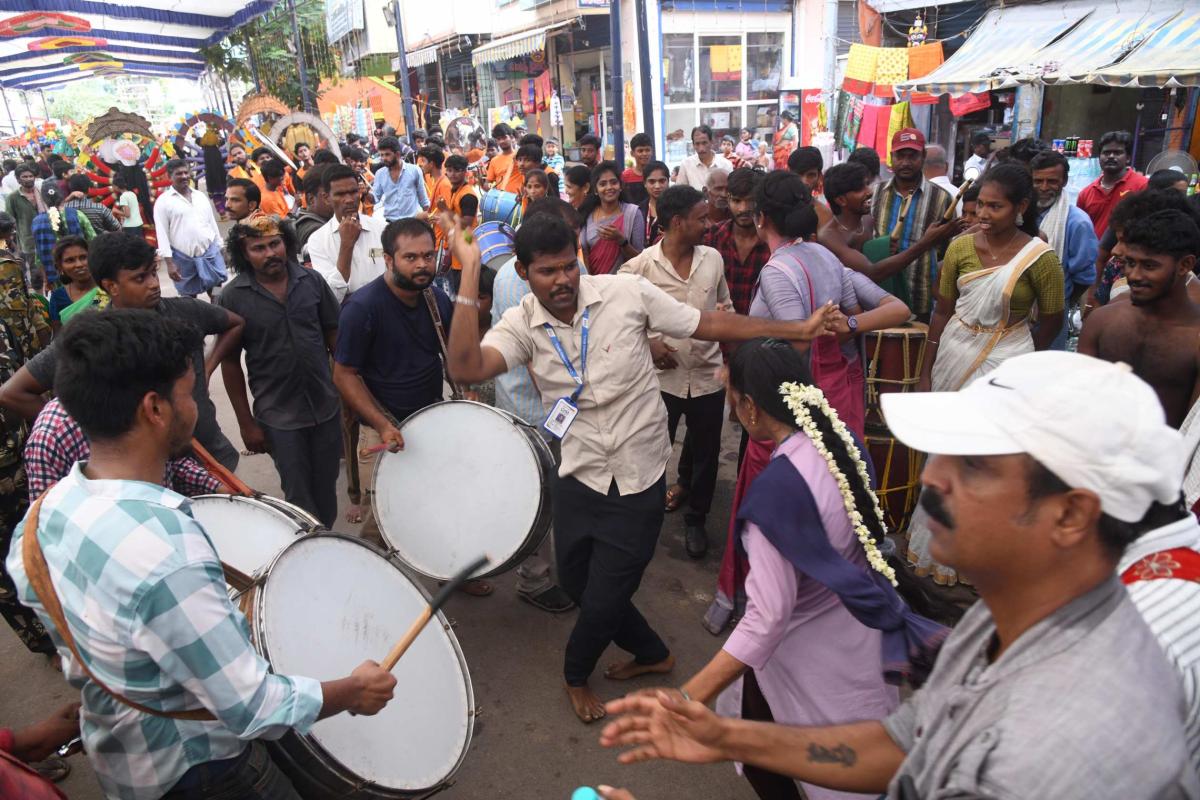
(559, 420)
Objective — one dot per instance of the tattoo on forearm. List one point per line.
(841, 754)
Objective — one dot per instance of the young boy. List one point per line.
(552, 160)
(642, 149)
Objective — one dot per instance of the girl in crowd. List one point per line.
(79, 291)
(990, 283)
(578, 183)
(613, 232)
(824, 631)
(656, 177)
(537, 186)
(800, 277)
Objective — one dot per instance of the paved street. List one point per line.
(527, 743)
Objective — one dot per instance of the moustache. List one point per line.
(935, 506)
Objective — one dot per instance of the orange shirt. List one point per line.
(368, 199)
(273, 201)
(475, 155)
(239, 172)
(495, 173)
(443, 193)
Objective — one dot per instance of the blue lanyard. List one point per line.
(583, 347)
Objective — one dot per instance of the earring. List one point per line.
(1020, 219)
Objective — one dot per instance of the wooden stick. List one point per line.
(896, 231)
(219, 471)
(439, 600)
(954, 203)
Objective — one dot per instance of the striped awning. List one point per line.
(1169, 57)
(514, 46)
(996, 54)
(1102, 39)
(419, 58)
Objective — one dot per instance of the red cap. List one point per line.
(908, 139)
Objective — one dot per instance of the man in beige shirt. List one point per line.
(584, 342)
(690, 369)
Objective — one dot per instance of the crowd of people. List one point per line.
(635, 297)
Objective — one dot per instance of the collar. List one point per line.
(1181, 533)
(656, 255)
(589, 295)
(891, 186)
(248, 280)
(119, 490)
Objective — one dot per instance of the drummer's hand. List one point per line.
(611, 233)
(391, 438)
(254, 438)
(375, 688)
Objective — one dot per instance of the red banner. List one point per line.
(810, 114)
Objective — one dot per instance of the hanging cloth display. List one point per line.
(860, 69)
(922, 60)
(891, 68)
(901, 118)
(556, 114)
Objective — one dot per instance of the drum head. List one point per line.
(331, 602)
(467, 482)
(247, 533)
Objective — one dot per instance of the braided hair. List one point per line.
(758, 368)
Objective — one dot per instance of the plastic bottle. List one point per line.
(585, 793)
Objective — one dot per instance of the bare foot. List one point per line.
(354, 513)
(631, 669)
(588, 707)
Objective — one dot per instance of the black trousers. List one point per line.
(307, 461)
(701, 453)
(766, 784)
(603, 543)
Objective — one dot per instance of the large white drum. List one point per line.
(471, 480)
(328, 603)
(248, 532)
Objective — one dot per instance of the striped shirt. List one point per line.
(929, 204)
(1171, 608)
(143, 593)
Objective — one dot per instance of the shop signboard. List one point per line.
(342, 17)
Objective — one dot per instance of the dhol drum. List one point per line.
(471, 480)
(495, 242)
(501, 206)
(248, 532)
(898, 475)
(328, 603)
(892, 362)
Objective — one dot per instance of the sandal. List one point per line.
(477, 588)
(551, 598)
(676, 496)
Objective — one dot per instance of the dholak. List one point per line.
(248, 532)
(495, 241)
(500, 206)
(327, 604)
(419, 501)
(898, 473)
(892, 363)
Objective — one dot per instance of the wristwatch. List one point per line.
(853, 323)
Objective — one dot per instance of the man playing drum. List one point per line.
(143, 589)
(584, 342)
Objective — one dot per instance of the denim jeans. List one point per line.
(249, 776)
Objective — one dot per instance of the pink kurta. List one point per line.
(815, 663)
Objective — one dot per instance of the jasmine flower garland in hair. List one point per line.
(55, 217)
(799, 399)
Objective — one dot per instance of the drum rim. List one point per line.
(280, 507)
(307, 741)
(542, 456)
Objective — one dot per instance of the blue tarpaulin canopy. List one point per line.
(48, 42)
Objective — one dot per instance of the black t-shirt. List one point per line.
(394, 347)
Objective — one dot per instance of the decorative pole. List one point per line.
(305, 99)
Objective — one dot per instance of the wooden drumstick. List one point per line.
(949, 215)
(896, 231)
(219, 471)
(427, 613)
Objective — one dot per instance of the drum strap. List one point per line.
(456, 392)
(39, 578)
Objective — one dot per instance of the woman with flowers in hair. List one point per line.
(825, 635)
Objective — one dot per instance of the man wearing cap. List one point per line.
(926, 204)
(1052, 685)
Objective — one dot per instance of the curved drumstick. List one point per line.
(219, 471)
(427, 613)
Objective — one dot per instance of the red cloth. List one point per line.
(1099, 204)
(734, 564)
(971, 101)
(629, 176)
(1180, 563)
(18, 781)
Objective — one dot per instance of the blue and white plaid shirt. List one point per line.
(145, 598)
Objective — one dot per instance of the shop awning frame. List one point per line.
(1169, 57)
(514, 45)
(422, 57)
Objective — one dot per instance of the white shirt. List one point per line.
(187, 224)
(973, 167)
(1171, 608)
(10, 184)
(693, 172)
(366, 261)
(947, 184)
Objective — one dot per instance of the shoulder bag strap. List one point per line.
(39, 578)
(456, 392)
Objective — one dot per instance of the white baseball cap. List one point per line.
(1093, 423)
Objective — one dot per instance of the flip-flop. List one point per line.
(551, 598)
(477, 588)
(676, 497)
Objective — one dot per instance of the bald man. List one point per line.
(937, 166)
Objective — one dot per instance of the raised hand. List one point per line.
(665, 726)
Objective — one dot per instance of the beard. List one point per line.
(420, 280)
(1047, 203)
